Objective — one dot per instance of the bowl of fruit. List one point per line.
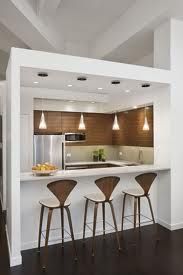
(45, 169)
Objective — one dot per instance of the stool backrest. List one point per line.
(107, 185)
(145, 181)
(61, 189)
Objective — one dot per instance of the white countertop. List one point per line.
(62, 174)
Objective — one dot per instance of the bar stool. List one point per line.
(145, 181)
(61, 189)
(106, 186)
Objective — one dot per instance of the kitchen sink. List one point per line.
(90, 166)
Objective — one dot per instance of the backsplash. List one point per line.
(85, 153)
(144, 155)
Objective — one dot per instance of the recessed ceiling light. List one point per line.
(71, 101)
(145, 85)
(93, 102)
(100, 88)
(36, 82)
(42, 74)
(134, 107)
(69, 85)
(82, 78)
(115, 82)
(127, 91)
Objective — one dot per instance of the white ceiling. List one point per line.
(118, 30)
(131, 51)
(60, 81)
(83, 20)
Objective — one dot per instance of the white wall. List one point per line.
(169, 54)
(147, 60)
(13, 160)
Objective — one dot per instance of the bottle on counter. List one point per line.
(95, 155)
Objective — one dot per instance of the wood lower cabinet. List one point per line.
(99, 127)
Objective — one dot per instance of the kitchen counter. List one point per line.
(33, 188)
(100, 172)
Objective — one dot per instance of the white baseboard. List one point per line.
(14, 260)
(171, 227)
(164, 224)
(78, 236)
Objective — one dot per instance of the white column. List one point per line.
(13, 163)
(168, 53)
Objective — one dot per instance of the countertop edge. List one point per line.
(28, 176)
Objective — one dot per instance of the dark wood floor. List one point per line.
(145, 258)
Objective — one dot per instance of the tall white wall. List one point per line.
(12, 160)
(3, 144)
(168, 44)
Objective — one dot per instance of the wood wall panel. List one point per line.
(99, 127)
(131, 128)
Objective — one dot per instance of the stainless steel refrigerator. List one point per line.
(50, 148)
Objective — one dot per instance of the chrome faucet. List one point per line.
(140, 157)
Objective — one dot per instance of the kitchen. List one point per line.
(126, 125)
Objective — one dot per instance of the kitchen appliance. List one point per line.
(75, 137)
(51, 149)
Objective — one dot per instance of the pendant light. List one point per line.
(146, 124)
(42, 124)
(115, 125)
(81, 123)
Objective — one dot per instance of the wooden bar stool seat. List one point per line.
(61, 190)
(53, 203)
(106, 186)
(145, 181)
(97, 197)
(134, 192)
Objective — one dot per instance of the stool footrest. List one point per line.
(100, 231)
(58, 239)
(142, 222)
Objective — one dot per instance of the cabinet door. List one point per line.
(53, 122)
(26, 143)
(98, 129)
(70, 122)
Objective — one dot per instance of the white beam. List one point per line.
(51, 6)
(39, 4)
(20, 19)
(140, 16)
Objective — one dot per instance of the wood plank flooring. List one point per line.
(142, 259)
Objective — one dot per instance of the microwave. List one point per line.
(75, 137)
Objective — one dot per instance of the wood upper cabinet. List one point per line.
(53, 121)
(131, 128)
(70, 122)
(99, 127)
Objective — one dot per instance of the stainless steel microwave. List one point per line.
(75, 137)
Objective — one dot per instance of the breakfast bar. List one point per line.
(33, 188)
